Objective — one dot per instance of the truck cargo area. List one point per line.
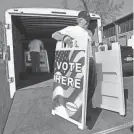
(27, 28)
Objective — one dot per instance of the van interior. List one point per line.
(27, 28)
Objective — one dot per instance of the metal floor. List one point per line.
(28, 79)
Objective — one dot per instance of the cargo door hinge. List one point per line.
(7, 26)
(11, 80)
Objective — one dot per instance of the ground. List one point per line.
(31, 114)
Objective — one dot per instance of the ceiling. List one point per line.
(36, 26)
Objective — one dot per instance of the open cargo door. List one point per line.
(9, 51)
(109, 92)
(71, 83)
(7, 81)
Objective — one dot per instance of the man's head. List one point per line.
(83, 19)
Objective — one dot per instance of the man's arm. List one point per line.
(42, 46)
(62, 37)
(58, 36)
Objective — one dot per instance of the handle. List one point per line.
(6, 54)
(102, 48)
(74, 44)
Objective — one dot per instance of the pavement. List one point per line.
(31, 114)
(5, 100)
(128, 86)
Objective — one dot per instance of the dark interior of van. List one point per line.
(27, 28)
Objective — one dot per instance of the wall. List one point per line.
(127, 34)
(18, 52)
(131, 41)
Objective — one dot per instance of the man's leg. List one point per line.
(38, 62)
(33, 61)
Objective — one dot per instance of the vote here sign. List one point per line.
(68, 86)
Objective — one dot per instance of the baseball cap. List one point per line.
(84, 14)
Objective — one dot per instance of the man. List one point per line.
(35, 47)
(70, 33)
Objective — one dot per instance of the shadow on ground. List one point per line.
(28, 79)
(92, 116)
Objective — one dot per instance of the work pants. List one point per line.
(35, 59)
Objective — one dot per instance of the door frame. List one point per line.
(10, 62)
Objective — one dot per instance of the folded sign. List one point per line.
(68, 83)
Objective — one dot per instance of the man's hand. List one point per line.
(68, 40)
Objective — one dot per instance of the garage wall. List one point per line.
(18, 52)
